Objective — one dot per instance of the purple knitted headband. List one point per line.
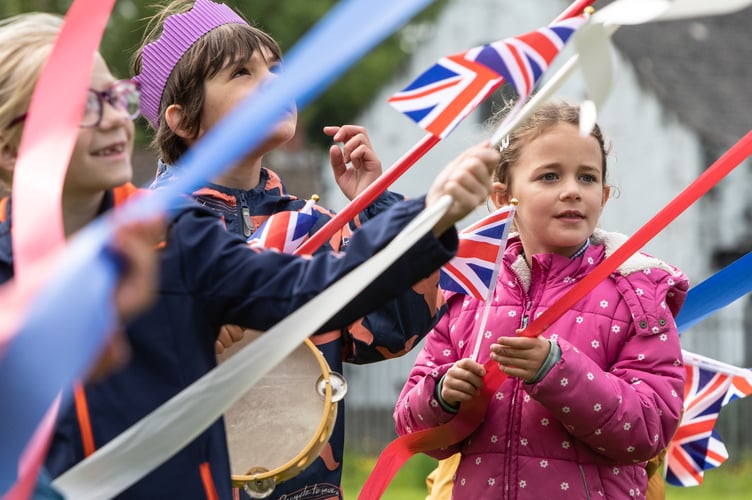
(179, 33)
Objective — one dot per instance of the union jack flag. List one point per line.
(475, 267)
(441, 97)
(285, 231)
(696, 446)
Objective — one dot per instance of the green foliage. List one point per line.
(286, 21)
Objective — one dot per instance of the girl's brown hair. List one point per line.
(545, 117)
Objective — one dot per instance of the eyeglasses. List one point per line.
(122, 95)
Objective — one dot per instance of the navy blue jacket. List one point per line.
(389, 331)
(210, 277)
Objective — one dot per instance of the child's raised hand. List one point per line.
(365, 166)
(467, 179)
(520, 357)
(462, 381)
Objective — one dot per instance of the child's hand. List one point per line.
(462, 382)
(228, 335)
(356, 150)
(520, 357)
(468, 180)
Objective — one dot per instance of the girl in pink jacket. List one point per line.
(588, 402)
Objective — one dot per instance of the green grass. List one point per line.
(732, 481)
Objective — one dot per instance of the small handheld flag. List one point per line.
(285, 231)
(474, 269)
(696, 446)
(441, 97)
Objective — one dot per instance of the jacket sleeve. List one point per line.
(630, 412)
(257, 289)
(417, 408)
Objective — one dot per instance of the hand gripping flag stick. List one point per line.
(472, 412)
(368, 195)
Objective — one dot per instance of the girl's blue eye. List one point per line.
(550, 176)
(589, 178)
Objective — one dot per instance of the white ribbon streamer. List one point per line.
(156, 437)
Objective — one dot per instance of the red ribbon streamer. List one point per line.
(471, 414)
(49, 136)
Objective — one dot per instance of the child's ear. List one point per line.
(606, 194)
(499, 194)
(174, 118)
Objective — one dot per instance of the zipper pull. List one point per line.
(247, 223)
(525, 317)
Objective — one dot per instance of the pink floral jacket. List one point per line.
(611, 402)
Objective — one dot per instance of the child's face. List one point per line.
(558, 181)
(232, 84)
(101, 158)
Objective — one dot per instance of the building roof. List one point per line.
(699, 69)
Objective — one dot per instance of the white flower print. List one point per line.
(487, 335)
(466, 303)
(565, 444)
(663, 304)
(639, 291)
(598, 432)
(523, 483)
(452, 328)
(590, 376)
(616, 328)
(670, 281)
(627, 426)
(640, 357)
(554, 336)
(646, 271)
(630, 449)
(544, 463)
(462, 481)
(616, 471)
(477, 315)
(597, 407)
(590, 260)
(656, 438)
(631, 492)
(435, 373)
(477, 460)
(409, 430)
(655, 329)
(604, 304)
(526, 398)
(579, 320)
(544, 422)
(429, 363)
(663, 337)
(673, 393)
(523, 441)
(564, 486)
(434, 403)
(494, 438)
(564, 381)
(461, 344)
(491, 481)
(677, 362)
(595, 344)
(499, 395)
(512, 314)
(565, 409)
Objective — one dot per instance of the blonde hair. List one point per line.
(26, 41)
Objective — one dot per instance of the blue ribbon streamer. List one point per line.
(724, 287)
(70, 320)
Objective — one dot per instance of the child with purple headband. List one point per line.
(193, 67)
